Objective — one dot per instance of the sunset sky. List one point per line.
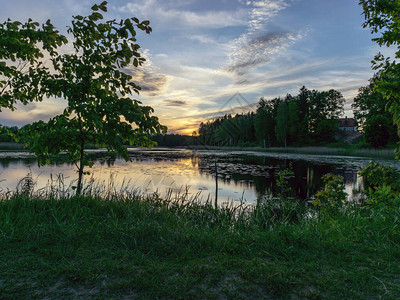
(206, 58)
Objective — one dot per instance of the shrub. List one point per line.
(376, 175)
(331, 199)
(383, 197)
(382, 186)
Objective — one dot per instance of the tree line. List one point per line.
(311, 117)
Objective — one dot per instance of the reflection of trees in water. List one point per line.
(62, 159)
(158, 156)
(261, 172)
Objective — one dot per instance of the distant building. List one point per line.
(347, 124)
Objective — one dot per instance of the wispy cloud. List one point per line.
(258, 45)
(253, 50)
(173, 13)
(147, 76)
(174, 102)
(263, 11)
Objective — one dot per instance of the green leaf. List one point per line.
(96, 16)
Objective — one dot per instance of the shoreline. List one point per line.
(387, 153)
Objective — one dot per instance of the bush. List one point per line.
(383, 197)
(331, 199)
(376, 175)
(382, 186)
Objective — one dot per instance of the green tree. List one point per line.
(370, 103)
(324, 105)
(314, 107)
(100, 110)
(281, 128)
(325, 130)
(260, 124)
(264, 121)
(293, 122)
(303, 103)
(377, 131)
(22, 70)
(383, 18)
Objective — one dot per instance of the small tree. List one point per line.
(97, 88)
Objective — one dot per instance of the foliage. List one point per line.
(22, 49)
(325, 130)
(383, 17)
(281, 128)
(7, 133)
(282, 182)
(292, 120)
(383, 197)
(323, 106)
(375, 175)
(369, 105)
(331, 199)
(377, 131)
(265, 121)
(382, 186)
(227, 130)
(97, 84)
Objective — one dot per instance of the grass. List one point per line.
(127, 246)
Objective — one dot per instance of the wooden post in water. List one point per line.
(216, 184)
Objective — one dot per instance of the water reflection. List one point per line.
(241, 175)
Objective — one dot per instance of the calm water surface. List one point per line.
(241, 174)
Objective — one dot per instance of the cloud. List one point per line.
(263, 11)
(147, 76)
(257, 46)
(252, 51)
(175, 102)
(32, 112)
(171, 13)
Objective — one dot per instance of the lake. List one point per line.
(242, 175)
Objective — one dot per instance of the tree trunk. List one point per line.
(216, 184)
(80, 170)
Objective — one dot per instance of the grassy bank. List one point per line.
(152, 248)
(11, 146)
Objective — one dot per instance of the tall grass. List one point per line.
(112, 243)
